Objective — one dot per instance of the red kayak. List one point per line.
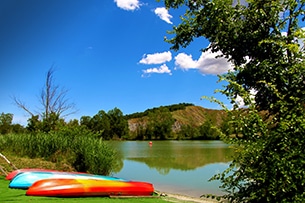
(89, 187)
(11, 175)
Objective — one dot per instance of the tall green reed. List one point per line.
(78, 147)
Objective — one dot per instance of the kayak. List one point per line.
(12, 174)
(26, 179)
(89, 188)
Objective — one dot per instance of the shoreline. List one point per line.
(179, 198)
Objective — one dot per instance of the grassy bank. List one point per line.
(76, 149)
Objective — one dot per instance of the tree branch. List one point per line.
(22, 105)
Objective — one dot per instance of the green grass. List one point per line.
(8, 195)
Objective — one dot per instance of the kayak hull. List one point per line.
(12, 174)
(89, 187)
(26, 179)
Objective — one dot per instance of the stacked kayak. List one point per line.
(11, 175)
(88, 187)
(74, 184)
(14, 173)
(26, 179)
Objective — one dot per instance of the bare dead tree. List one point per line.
(22, 105)
(52, 98)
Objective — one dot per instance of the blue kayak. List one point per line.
(26, 179)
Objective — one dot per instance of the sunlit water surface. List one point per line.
(182, 167)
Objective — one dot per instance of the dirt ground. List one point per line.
(182, 198)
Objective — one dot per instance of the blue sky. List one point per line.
(107, 53)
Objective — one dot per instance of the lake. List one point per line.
(182, 167)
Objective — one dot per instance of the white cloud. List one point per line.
(162, 69)
(128, 5)
(185, 61)
(209, 64)
(163, 14)
(206, 64)
(240, 101)
(156, 58)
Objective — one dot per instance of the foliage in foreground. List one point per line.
(78, 148)
(269, 163)
(265, 43)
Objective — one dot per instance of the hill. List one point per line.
(189, 115)
(196, 115)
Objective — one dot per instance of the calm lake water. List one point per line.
(182, 167)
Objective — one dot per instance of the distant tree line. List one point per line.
(157, 124)
(6, 125)
(110, 125)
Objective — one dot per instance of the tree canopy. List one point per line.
(264, 42)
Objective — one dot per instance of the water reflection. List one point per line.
(180, 155)
(183, 167)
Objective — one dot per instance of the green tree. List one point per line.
(85, 121)
(18, 129)
(160, 123)
(262, 40)
(208, 131)
(118, 123)
(73, 123)
(51, 122)
(108, 125)
(100, 123)
(6, 123)
(188, 132)
(34, 124)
